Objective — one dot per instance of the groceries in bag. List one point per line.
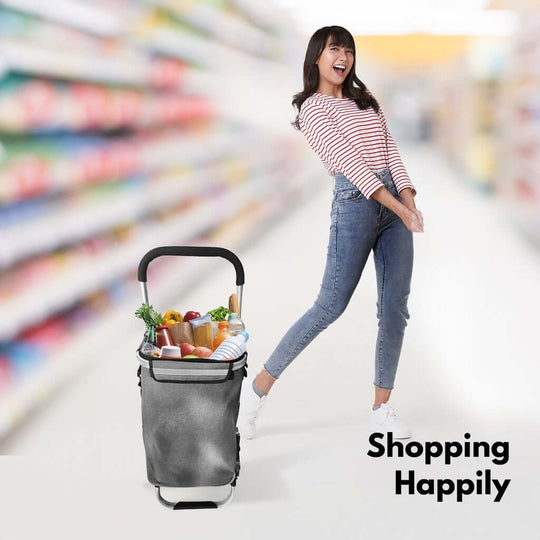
(222, 334)
(190, 315)
(169, 351)
(148, 345)
(202, 352)
(191, 335)
(149, 315)
(220, 313)
(235, 324)
(233, 303)
(186, 348)
(172, 317)
(202, 331)
(232, 347)
(163, 336)
(182, 332)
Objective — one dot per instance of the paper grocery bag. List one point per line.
(181, 333)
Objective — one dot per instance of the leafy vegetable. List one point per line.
(220, 314)
(151, 317)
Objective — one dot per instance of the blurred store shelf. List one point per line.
(518, 148)
(125, 125)
(121, 128)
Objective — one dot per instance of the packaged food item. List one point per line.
(148, 345)
(235, 324)
(215, 329)
(150, 349)
(163, 336)
(222, 335)
(170, 351)
(182, 332)
(232, 347)
(233, 303)
(199, 321)
(202, 331)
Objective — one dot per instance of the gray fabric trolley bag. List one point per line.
(190, 407)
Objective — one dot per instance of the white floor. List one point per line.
(469, 365)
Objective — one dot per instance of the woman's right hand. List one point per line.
(413, 219)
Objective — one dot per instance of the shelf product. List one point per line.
(128, 125)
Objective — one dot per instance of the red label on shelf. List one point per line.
(29, 176)
(166, 73)
(36, 100)
(91, 104)
(5, 372)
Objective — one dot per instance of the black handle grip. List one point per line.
(191, 251)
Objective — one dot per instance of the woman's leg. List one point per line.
(264, 381)
(382, 395)
(352, 236)
(393, 254)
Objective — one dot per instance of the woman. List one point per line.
(373, 209)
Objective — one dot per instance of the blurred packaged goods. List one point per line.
(118, 128)
(517, 175)
(131, 126)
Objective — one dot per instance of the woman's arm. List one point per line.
(408, 198)
(411, 217)
(399, 173)
(332, 147)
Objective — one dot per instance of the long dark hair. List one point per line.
(352, 87)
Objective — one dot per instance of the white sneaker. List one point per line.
(250, 407)
(384, 419)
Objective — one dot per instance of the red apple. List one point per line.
(203, 352)
(191, 315)
(186, 348)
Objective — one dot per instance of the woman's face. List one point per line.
(335, 63)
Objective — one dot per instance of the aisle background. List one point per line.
(167, 123)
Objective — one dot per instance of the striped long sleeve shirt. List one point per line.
(352, 141)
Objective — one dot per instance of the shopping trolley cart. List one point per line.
(190, 407)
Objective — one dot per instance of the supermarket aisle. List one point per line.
(467, 367)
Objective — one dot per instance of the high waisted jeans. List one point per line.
(357, 227)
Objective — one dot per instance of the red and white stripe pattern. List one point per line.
(352, 141)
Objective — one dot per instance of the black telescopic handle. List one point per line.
(191, 251)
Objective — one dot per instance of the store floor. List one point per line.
(469, 365)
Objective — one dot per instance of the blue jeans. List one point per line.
(357, 227)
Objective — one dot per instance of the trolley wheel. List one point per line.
(190, 505)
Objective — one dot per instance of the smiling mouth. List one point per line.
(339, 68)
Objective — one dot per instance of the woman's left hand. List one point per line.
(419, 216)
(411, 218)
(408, 200)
